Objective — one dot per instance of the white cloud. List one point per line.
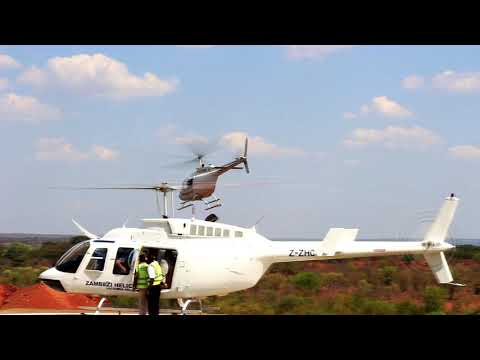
(313, 51)
(3, 83)
(393, 137)
(381, 105)
(256, 145)
(104, 153)
(98, 75)
(465, 151)
(7, 62)
(457, 82)
(58, 149)
(413, 82)
(26, 108)
(33, 76)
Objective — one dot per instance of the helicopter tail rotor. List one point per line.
(244, 157)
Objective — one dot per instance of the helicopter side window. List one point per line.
(97, 261)
(193, 229)
(218, 232)
(123, 261)
(201, 230)
(209, 231)
(189, 182)
(226, 233)
(238, 234)
(71, 260)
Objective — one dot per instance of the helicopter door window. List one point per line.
(209, 231)
(97, 261)
(193, 229)
(218, 232)
(238, 234)
(226, 233)
(201, 230)
(123, 261)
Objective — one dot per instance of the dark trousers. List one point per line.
(154, 300)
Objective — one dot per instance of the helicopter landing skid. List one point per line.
(215, 201)
(184, 206)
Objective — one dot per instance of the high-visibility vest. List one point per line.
(158, 273)
(142, 276)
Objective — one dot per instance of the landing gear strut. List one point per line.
(102, 300)
(184, 305)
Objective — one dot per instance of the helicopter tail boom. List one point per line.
(340, 244)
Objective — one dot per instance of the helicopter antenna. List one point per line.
(125, 223)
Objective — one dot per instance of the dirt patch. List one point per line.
(5, 292)
(41, 296)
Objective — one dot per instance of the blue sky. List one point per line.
(364, 136)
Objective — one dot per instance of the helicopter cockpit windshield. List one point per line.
(70, 261)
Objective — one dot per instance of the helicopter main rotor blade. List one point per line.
(154, 187)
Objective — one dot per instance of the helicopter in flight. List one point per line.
(208, 258)
(198, 186)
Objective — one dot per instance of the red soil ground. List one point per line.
(40, 296)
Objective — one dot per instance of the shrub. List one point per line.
(364, 287)
(272, 281)
(22, 276)
(434, 298)
(288, 303)
(332, 278)
(387, 274)
(18, 252)
(407, 308)
(408, 259)
(123, 301)
(378, 307)
(306, 280)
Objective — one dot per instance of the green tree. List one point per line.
(388, 272)
(18, 253)
(77, 239)
(289, 303)
(22, 276)
(408, 308)
(332, 279)
(434, 297)
(408, 259)
(306, 280)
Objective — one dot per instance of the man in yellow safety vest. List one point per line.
(141, 283)
(156, 277)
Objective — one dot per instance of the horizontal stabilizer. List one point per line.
(337, 237)
(439, 266)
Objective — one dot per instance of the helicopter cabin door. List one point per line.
(123, 262)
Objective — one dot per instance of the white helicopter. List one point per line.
(207, 258)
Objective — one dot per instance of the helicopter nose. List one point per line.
(51, 278)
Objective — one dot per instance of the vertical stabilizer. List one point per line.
(439, 229)
(438, 265)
